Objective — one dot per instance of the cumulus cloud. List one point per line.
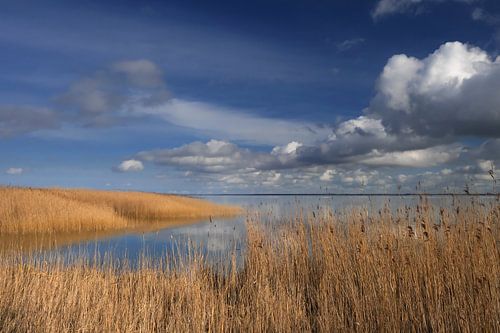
(14, 171)
(452, 92)
(224, 165)
(359, 177)
(15, 120)
(350, 138)
(227, 163)
(216, 156)
(486, 165)
(355, 139)
(327, 175)
(212, 156)
(129, 166)
(421, 109)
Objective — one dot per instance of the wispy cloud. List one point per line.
(349, 44)
(14, 171)
(391, 7)
(233, 124)
(16, 120)
(129, 91)
(482, 15)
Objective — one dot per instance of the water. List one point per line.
(220, 238)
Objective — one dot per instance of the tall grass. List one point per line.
(42, 211)
(414, 269)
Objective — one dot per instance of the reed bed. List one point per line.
(42, 211)
(416, 269)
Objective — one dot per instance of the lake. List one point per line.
(219, 238)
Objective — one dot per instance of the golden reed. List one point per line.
(42, 211)
(414, 270)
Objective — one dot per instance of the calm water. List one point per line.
(220, 237)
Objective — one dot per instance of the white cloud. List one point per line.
(14, 171)
(214, 156)
(415, 158)
(353, 139)
(327, 175)
(486, 165)
(422, 107)
(272, 179)
(396, 79)
(288, 149)
(361, 125)
(402, 178)
(446, 171)
(224, 165)
(452, 92)
(130, 166)
(287, 153)
(233, 179)
(359, 177)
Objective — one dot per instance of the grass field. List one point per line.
(44, 211)
(417, 269)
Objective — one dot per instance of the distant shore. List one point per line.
(487, 194)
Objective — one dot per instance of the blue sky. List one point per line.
(239, 96)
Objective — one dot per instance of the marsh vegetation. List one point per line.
(416, 268)
(28, 211)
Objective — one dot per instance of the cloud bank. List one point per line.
(452, 92)
(422, 111)
(421, 116)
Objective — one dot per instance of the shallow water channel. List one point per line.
(216, 238)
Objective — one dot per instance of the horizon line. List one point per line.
(344, 194)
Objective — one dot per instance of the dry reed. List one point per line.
(37, 211)
(413, 269)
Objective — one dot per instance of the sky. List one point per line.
(274, 96)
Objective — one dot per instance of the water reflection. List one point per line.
(219, 238)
